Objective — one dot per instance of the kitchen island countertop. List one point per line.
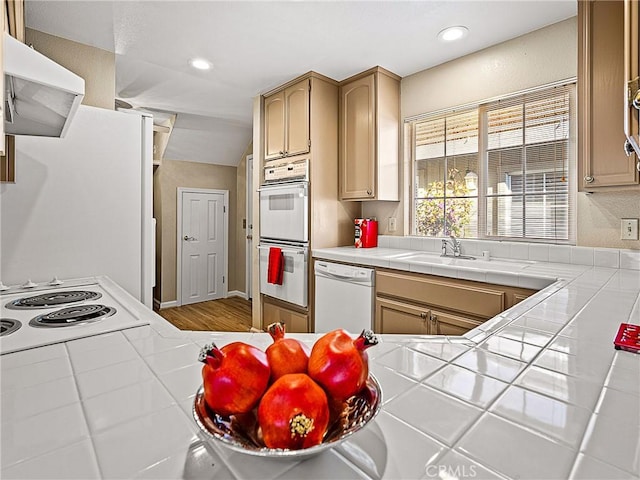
(537, 392)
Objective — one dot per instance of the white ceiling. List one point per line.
(256, 46)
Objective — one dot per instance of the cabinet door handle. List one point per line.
(423, 316)
(636, 99)
(628, 148)
(589, 179)
(369, 192)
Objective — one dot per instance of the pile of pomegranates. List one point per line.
(293, 392)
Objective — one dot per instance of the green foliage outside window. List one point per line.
(438, 211)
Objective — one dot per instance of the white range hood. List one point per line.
(41, 97)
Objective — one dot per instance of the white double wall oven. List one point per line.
(284, 224)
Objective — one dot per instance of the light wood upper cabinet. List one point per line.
(602, 161)
(3, 173)
(632, 73)
(369, 136)
(274, 126)
(286, 122)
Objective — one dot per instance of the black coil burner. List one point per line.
(8, 326)
(77, 315)
(52, 299)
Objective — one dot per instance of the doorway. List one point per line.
(202, 262)
(249, 230)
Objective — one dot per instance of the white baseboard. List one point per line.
(237, 293)
(174, 303)
(162, 305)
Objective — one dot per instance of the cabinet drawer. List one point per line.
(294, 322)
(396, 317)
(458, 295)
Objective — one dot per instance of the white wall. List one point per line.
(540, 57)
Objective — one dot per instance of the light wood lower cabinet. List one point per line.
(417, 304)
(516, 295)
(398, 317)
(295, 321)
(394, 316)
(478, 299)
(443, 323)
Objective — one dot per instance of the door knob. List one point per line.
(589, 179)
(187, 238)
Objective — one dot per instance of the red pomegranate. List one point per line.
(234, 377)
(293, 413)
(340, 364)
(285, 355)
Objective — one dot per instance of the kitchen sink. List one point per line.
(436, 259)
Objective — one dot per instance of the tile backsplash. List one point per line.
(538, 252)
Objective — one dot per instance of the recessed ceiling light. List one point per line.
(453, 33)
(200, 64)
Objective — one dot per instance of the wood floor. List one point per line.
(231, 314)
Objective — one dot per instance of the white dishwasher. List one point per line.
(344, 297)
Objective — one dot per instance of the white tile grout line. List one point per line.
(84, 411)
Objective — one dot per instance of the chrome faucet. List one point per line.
(455, 243)
(456, 247)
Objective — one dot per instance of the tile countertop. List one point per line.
(537, 392)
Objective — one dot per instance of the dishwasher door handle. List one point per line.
(323, 273)
(366, 280)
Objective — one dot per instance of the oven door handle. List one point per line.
(301, 251)
(274, 188)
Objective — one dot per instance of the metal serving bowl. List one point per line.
(242, 434)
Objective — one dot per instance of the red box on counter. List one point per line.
(366, 233)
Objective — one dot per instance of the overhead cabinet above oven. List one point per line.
(286, 121)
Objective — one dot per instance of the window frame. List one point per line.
(483, 152)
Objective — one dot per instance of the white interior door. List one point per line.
(203, 239)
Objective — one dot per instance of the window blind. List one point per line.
(517, 156)
(528, 166)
